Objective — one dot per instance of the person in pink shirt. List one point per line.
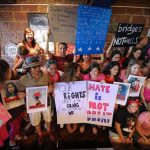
(5, 74)
(143, 129)
(51, 67)
(145, 93)
(93, 75)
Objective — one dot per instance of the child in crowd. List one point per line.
(51, 67)
(124, 122)
(54, 76)
(72, 73)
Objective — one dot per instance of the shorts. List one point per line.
(35, 118)
(114, 135)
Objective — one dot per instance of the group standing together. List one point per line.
(32, 68)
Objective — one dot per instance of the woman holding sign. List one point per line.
(72, 73)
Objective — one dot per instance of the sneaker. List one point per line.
(13, 145)
(94, 130)
(82, 129)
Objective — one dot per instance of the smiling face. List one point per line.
(133, 107)
(114, 71)
(94, 73)
(29, 37)
(62, 49)
(52, 69)
(77, 74)
(135, 69)
(137, 54)
(116, 58)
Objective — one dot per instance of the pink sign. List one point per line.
(4, 115)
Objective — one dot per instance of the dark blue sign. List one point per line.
(92, 28)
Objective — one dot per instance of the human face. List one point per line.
(77, 57)
(94, 73)
(35, 71)
(8, 74)
(10, 88)
(78, 72)
(114, 71)
(116, 58)
(86, 57)
(62, 49)
(29, 37)
(52, 69)
(137, 54)
(142, 43)
(135, 69)
(133, 107)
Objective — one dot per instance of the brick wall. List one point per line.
(13, 18)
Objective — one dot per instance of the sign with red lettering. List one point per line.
(85, 102)
(101, 102)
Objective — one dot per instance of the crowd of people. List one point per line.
(32, 68)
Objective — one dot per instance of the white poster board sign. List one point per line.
(136, 84)
(36, 99)
(9, 94)
(123, 92)
(85, 102)
(71, 101)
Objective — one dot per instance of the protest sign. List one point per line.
(4, 115)
(71, 101)
(127, 34)
(9, 94)
(101, 102)
(92, 28)
(136, 84)
(123, 92)
(85, 102)
(62, 23)
(36, 98)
